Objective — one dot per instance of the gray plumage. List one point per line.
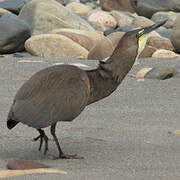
(60, 93)
(57, 93)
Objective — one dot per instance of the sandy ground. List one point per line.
(124, 136)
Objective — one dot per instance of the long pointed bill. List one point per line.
(153, 27)
(145, 33)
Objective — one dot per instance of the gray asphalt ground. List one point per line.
(122, 137)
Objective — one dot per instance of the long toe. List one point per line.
(68, 156)
(36, 138)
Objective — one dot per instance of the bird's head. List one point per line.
(143, 33)
(133, 42)
(126, 52)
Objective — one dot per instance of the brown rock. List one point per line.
(79, 8)
(122, 18)
(105, 47)
(104, 18)
(147, 52)
(21, 164)
(141, 21)
(86, 39)
(141, 73)
(3, 11)
(163, 53)
(161, 73)
(54, 46)
(159, 43)
(79, 38)
(175, 133)
(110, 5)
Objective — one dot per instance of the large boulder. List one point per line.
(148, 7)
(54, 46)
(86, 39)
(110, 5)
(175, 35)
(13, 33)
(45, 15)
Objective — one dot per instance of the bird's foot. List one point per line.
(68, 156)
(42, 138)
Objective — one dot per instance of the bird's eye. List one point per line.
(140, 33)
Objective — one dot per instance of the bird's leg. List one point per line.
(42, 137)
(61, 154)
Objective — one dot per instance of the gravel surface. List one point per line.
(124, 136)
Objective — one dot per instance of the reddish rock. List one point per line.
(21, 164)
(159, 43)
(110, 5)
(148, 51)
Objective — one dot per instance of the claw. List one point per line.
(42, 138)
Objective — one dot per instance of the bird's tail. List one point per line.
(11, 123)
(10, 120)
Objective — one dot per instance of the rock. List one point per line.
(14, 33)
(160, 73)
(148, 7)
(121, 29)
(175, 36)
(122, 18)
(87, 1)
(165, 33)
(163, 53)
(84, 38)
(105, 47)
(169, 24)
(175, 133)
(159, 43)
(98, 26)
(147, 52)
(3, 11)
(54, 46)
(141, 73)
(21, 164)
(64, 2)
(44, 16)
(110, 5)
(79, 8)
(141, 21)
(13, 5)
(177, 68)
(161, 16)
(104, 18)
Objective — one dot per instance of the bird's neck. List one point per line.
(106, 78)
